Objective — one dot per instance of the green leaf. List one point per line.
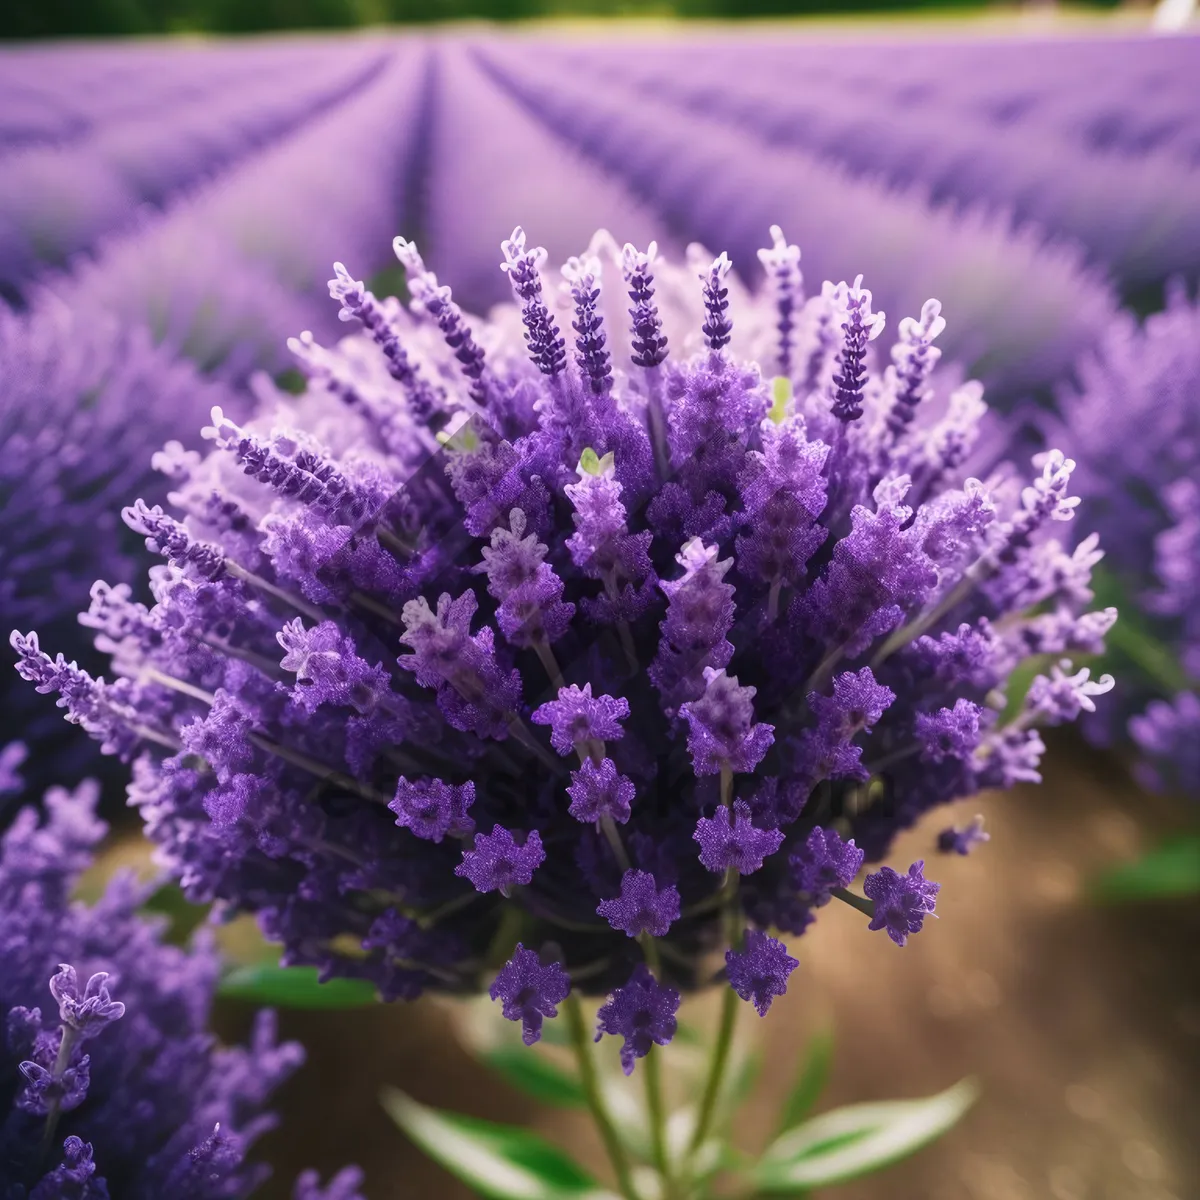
(502, 1162)
(294, 987)
(810, 1083)
(860, 1138)
(532, 1073)
(1172, 869)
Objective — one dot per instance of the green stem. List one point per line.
(864, 906)
(591, 1090)
(716, 1069)
(658, 1118)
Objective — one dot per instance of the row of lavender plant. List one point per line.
(226, 274)
(492, 165)
(1028, 307)
(1138, 216)
(1149, 100)
(57, 201)
(60, 94)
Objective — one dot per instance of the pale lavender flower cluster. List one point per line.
(1136, 418)
(84, 405)
(602, 636)
(110, 1086)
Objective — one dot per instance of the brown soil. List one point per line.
(1081, 1022)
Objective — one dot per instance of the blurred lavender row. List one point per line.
(1134, 205)
(59, 199)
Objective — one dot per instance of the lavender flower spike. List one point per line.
(542, 336)
(649, 343)
(782, 264)
(859, 326)
(614, 682)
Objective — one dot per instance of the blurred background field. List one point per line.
(85, 18)
(170, 209)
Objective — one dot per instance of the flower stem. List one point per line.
(864, 906)
(716, 1069)
(591, 1090)
(658, 1118)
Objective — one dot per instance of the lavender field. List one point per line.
(203, 464)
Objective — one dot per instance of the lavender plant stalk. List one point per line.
(110, 1086)
(591, 649)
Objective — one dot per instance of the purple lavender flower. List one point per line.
(499, 862)
(115, 1088)
(824, 862)
(343, 1186)
(902, 902)
(433, 809)
(731, 842)
(393, 616)
(723, 733)
(641, 907)
(1168, 733)
(954, 840)
(598, 791)
(949, 733)
(529, 991)
(642, 1012)
(760, 972)
(577, 718)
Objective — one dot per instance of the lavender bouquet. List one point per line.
(586, 665)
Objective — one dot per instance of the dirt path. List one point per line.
(1082, 1024)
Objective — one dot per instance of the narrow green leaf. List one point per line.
(532, 1073)
(294, 987)
(1172, 869)
(810, 1082)
(502, 1162)
(860, 1138)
